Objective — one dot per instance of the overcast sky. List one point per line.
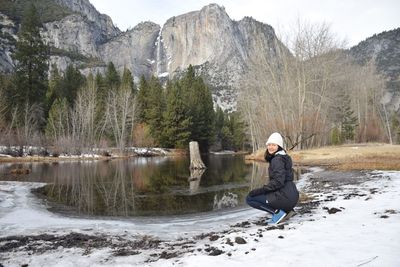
(353, 20)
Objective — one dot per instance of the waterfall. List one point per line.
(158, 60)
(159, 57)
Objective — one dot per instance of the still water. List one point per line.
(142, 186)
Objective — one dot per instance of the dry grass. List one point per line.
(348, 157)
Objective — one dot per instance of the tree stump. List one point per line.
(195, 159)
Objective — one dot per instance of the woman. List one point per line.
(280, 195)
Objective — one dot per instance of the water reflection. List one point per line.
(143, 186)
(194, 180)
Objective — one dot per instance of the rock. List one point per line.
(214, 237)
(213, 251)
(229, 242)
(332, 210)
(240, 240)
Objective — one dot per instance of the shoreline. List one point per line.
(364, 156)
(164, 153)
(108, 154)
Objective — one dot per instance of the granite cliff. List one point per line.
(222, 50)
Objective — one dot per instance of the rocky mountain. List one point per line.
(85, 8)
(218, 47)
(8, 31)
(384, 50)
(222, 50)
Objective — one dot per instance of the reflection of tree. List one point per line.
(91, 191)
(117, 194)
(259, 174)
(224, 169)
(125, 188)
(194, 180)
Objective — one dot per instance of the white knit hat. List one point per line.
(275, 138)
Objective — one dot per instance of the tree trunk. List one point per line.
(195, 159)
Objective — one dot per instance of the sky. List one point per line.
(351, 20)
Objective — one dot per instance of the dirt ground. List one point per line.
(346, 157)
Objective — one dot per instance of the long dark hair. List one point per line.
(268, 157)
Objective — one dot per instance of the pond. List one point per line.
(141, 186)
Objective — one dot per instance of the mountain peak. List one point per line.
(85, 8)
(214, 7)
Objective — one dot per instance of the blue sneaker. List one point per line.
(277, 217)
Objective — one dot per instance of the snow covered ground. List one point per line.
(349, 219)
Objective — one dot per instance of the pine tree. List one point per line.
(112, 78)
(336, 138)
(31, 61)
(101, 97)
(348, 120)
(54, 89)
(72, 81)
(237, 127)
(127, 80)
(7, 90)
(200, 108)
(226, 138)
(219, 123)
(102, 87)
(156, 107)
(177, 122)
(142, 99)
(203, 115)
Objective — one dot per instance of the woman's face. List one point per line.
(272, 148)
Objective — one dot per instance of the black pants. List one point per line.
(260, 202)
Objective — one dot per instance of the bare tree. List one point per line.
(294, 91)
(120, 113)
(83, 116)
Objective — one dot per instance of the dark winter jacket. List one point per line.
(281, 192)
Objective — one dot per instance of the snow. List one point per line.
(365, 232)
(83, 155)
(151, 61)
(164, 74)
(225, 99)
(96, 154)
(224, 152)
